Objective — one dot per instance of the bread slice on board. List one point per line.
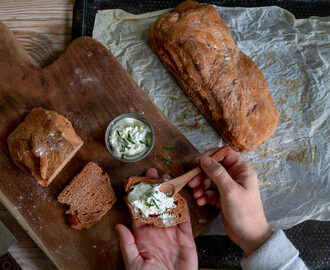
(196, 46)
(43, 144)
(89, 195)
(179, 213)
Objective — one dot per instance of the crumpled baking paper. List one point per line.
(294, 55)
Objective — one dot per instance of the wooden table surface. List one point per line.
(43, 27)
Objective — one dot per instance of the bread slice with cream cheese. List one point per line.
(170, 217)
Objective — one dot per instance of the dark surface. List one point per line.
(84, 10)
(311, 238)
(7, 262)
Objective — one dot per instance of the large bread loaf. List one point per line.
(196, 46)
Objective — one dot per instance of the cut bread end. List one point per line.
(46, 182)
(89, 195)
(174, 215)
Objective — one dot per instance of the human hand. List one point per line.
(240, 204)
(152, 247)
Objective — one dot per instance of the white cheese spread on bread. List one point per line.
(148, 200)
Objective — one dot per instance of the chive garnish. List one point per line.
(148, 204)
(127, 147)
(155, 198)
(145, 143)
(128, 139)
(155, 203)
(167, 159)
(118, 133)
(169, 147)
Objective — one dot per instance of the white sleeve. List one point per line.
(277, 253)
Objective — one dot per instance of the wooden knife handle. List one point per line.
(7, 262)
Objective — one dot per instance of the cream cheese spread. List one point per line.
(129, 137)
(148, 200)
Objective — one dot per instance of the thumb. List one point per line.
(218, 174)
(127, 245)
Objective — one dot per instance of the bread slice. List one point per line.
(89, 195)
(43, 144)
(179, 213)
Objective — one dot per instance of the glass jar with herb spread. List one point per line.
(129, 137)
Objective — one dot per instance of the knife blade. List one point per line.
(7, 239)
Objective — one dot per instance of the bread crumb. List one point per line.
(202, 221)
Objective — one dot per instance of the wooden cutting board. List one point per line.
(90, 87)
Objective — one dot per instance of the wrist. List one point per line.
(252, 244)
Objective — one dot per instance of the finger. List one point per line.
(196, 181)
(166, 177)
(218, 174)
(210, 197)
(207, 153)
(199, 191)
(127, 245)
(202, 201)
(239, 169)
(207, 183)
(152, 173)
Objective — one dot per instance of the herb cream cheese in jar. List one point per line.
(129, 138)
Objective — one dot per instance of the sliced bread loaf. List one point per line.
(170, 217)
(89, 195)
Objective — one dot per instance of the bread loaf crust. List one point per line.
(196, 46)
(43, 144)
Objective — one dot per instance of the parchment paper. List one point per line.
(294, 55)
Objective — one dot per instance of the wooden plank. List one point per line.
(88, 86)
(57, 33)
(42, 27)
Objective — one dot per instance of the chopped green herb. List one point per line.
(127, 147)
(148, 204)
(155, 198)
(145, 143)
(170, 147)
(167, 159)
(184, 165)
(128, 139)
(122, 150)
(155, 203)
(118, 133)
(135, 133)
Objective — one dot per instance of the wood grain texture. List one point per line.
(42, 27)
(88, 86)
